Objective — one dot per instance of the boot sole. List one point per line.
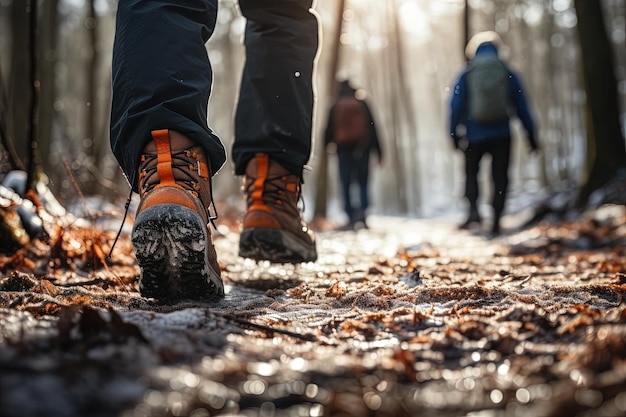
(277, 246)
(170, 244)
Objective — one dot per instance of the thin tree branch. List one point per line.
(31, 128)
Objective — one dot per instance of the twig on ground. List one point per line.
(305, 337)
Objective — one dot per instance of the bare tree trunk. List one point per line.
(321, 189)
(19, 83)
(405, 104)
(13, 158)
(556, 101)
(394, 159)
(89, 138)
(33, 108)
(540, 93)
(47, 67)
(223, 94)
(606, 152)
(466, 27)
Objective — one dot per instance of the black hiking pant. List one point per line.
(500, 151)
(162, 80)
(354, 168)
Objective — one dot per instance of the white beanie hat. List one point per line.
(482, 37)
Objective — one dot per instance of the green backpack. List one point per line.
(488, 90)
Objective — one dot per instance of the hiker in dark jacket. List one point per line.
(480, 122)
(352, 129)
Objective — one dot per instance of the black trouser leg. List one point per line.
(500, 153)
(346, 165)
(363, 170)
(161, 77)
(473, 156)
(275, 108)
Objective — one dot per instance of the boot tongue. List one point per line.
(251, 168)
(178, 142)
(191, 167)
(274, 169)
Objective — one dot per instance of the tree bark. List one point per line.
(89, 142)
(47, 70)
(13, 159)
(466, 27)
(33, 105)
(404, 104)
(606, 152)
(321, 184)
(19, 83)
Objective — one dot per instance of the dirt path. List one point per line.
(410, 317)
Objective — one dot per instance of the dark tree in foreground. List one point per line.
(606, 152)
(47, 41)
(18, 83)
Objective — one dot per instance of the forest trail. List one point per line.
(409, 317)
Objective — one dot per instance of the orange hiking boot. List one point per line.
(272, 227)
(171, 236)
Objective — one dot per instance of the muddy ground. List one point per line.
(410, 317)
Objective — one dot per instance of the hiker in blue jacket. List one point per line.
(486, 95)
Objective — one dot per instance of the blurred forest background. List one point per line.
(404, 55)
